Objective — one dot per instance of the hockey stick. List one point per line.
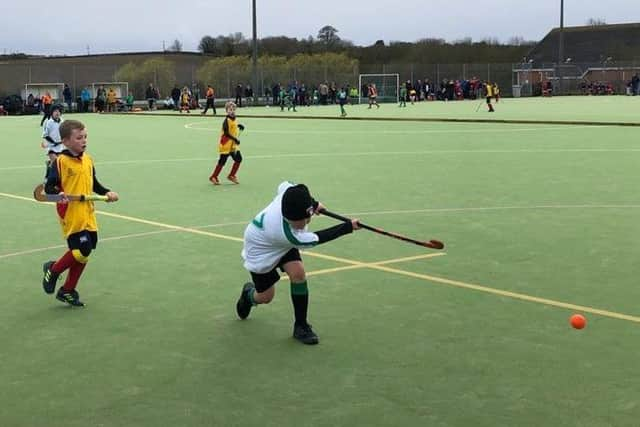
(41, 196)
(433, 244)
(479, 105)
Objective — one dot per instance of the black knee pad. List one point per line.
(85, 248)
(236, 156)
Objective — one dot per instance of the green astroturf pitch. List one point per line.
(540, 222)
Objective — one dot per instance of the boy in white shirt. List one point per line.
(272, 240)
(51, 140)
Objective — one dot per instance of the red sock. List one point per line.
(66, 261)
(75, 271)
(216, 172)
(234, 168)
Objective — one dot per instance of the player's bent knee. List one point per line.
(298, 277)
(295, 271)
(81, 255)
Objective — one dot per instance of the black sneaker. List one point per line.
(243, 306)
(70, 297)
(50, 278)
(305, 334)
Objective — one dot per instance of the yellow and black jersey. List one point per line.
(74, 175)
(229, 135)
(489, 89)
(185, 98)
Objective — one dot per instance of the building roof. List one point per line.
(594, 43)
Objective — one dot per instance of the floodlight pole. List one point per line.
(561, 45)
(255, 54)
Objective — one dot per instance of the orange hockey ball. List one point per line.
(578, 321)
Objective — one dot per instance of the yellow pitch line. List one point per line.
(172, 227)
(13, 196)
(456, 283)
(329, 270)
(103, 239)
(185, 229)
(367, 265)
(409, 258)
(509, 294)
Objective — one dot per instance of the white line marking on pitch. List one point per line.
(493, 208)
(124, 236)
(388, 132)
(354, 153)
(442, 280)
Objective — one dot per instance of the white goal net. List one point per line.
(39, 89)
(388, 86)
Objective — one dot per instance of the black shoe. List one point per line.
(243, 306)
(305, 334)
(50, 278)
(70, 297)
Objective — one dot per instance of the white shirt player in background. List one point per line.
(273, 240)
(51, 140)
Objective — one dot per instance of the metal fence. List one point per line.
(513, 79)
(598, 78)
(13, 76)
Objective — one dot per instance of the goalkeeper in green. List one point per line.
(403, 95)
(342, 99)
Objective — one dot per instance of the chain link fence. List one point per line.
(590, 78)
(514, 79)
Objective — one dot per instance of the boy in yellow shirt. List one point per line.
(73, 173)
(229, 145)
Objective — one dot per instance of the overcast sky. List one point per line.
(69, 26)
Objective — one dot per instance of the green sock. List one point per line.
(251, 295)
(300, 300)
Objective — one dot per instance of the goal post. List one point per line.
(39, 89)
(121, 88)
(388, 86)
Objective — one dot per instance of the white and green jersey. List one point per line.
(51, 129)
(269, 236)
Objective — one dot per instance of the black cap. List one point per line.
(56, 107)
(297, 203)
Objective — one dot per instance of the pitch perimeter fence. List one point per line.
(513, 79)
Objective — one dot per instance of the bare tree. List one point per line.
(328, 35)
(596, 22)
(208, 44)
(176, 46)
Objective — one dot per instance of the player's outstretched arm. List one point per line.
(332, 233)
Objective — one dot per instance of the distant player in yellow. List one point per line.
(73, 173)
(489, 94)
(229, 145)
(496, 92)
(184, 100)
(112, 99)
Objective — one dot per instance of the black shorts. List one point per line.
(264, 281)
(83, 239)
